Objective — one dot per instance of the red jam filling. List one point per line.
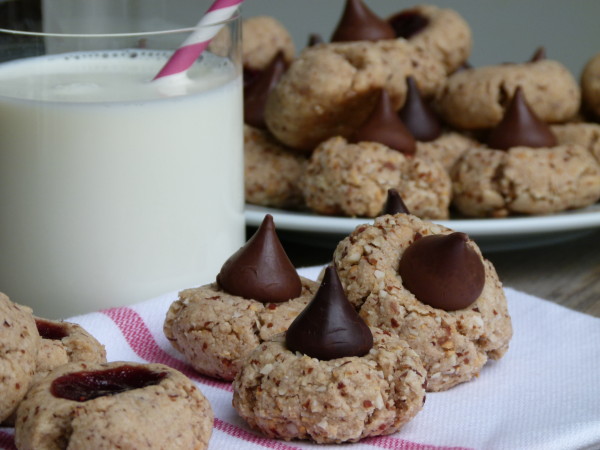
(51, 330)
(88, 385)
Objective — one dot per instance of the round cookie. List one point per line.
(353, 180)
(442, 32)
(453, 345)
(263, 38)
(19, 343)
(590, 85)
(65, 342)
(288, 395)
(476, 98)
(114, 405)
(62, 343)
(272, 172)
(330, 89)
(524, 180)
(446, 149)
(215, 330)
(584, 134)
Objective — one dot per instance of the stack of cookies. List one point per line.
(304, 112)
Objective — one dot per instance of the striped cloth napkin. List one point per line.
(544, 393)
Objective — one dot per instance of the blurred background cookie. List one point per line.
(476, 98)
(590, 86)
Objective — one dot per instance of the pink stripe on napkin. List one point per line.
(240, 433)
(392, 443)
(141, 341)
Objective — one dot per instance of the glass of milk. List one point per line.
(114, 188)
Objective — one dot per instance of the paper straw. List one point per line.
(185, 56)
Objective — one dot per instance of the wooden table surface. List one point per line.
(567, 273)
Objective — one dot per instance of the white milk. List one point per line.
(111, 193)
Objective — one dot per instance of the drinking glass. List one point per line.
(115, 188)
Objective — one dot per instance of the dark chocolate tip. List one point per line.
(386, 127)
(261, 270)
(520, 127)
(443, 271)
(329, 327)
(257, 91)
(418, 116)
(359, 23)
(249, 75)
(408, 23)
(539, 55)
(394, 203)
(314, 39)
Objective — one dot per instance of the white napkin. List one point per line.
(544, 393)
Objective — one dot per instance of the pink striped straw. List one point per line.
(196, 43)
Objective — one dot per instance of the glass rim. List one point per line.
(233, 18)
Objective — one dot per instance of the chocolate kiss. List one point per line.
(359, 23)
(408, 23)
(256, 92)
(443, 271)
(329, 327)
(418, 117)
(539, 55)
(261, 270)
(384, 126)
(520, 127)
(314, 39)
(394, 204)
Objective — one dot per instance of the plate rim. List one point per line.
(579, 219)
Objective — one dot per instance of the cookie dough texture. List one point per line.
(171, 414)
(288, 395)
(447, 36)
(262, 38)
(215, 330)
(446, 149)
(77, 346)
(353, 180)
(523, 180)
(331, 88)
(453, 345)
(19, 342)
(476, 98)
(590, 85)
(584, 134)
(272, 172)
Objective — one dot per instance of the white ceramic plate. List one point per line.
(491, 234)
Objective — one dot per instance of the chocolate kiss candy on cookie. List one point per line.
(261, 270)
(418, 117)
(329, 327)
(407, 24)
(359, 23)
(384, 126)
(443, 271)
(520, 127)
(394, 204)
(314, 39)
(257, 91)
(539, 55)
